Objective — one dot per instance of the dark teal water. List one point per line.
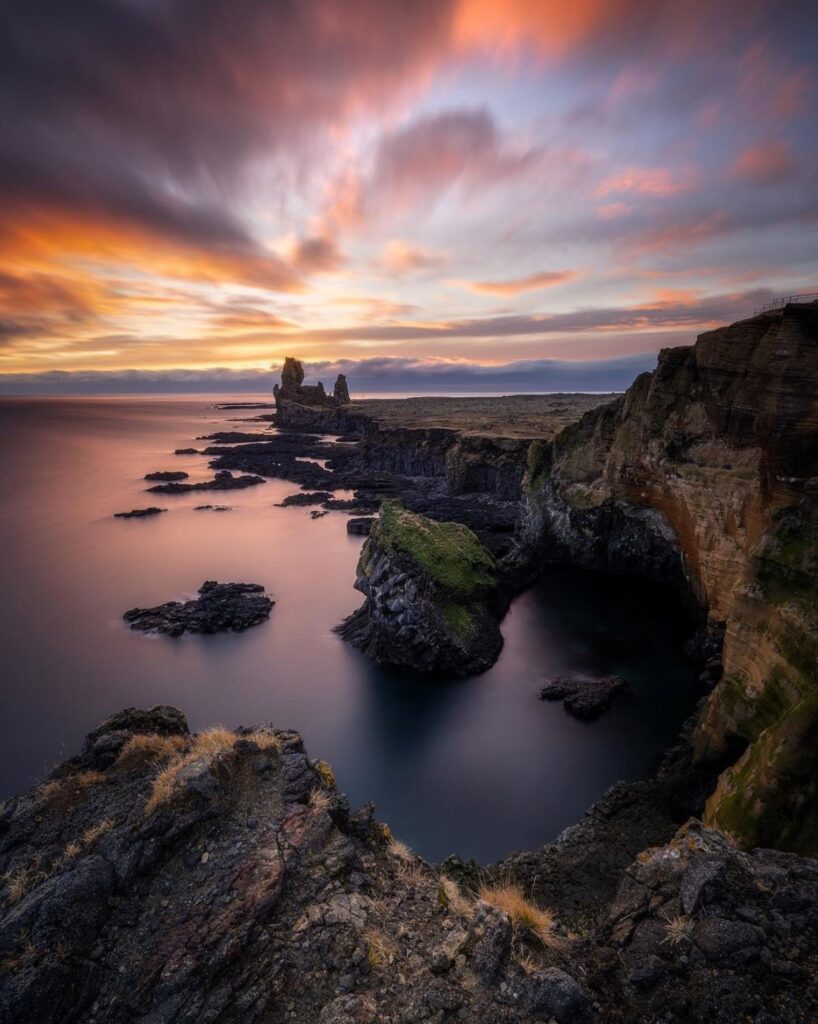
(479, 766)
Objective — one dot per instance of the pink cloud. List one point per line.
(646, 181)
(769, 163)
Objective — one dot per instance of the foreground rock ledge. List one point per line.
(165, 877)
(219, 607)
(432, 596)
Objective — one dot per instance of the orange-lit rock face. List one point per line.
(722, 440)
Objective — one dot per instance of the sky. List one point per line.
(450, 195)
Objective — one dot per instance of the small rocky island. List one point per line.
(432, 592)
(219, 607)
(582, 697)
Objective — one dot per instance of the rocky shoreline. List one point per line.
(164, 876)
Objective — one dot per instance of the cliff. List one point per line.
(169, 878)
(705, 473)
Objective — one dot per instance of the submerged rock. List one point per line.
(582, 697)
(167, 474)
(318, 513)
(432, 596)
(223, 480)
(139, 513)
(219, 607)
(212, 508)
(187, 451)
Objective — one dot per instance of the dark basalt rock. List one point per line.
(360, 525)
(167, 474)
(433, 596)
(305, 498)
(187, 451)
(212, 508)
(219, 607)
(139, 513)
(584, 698)
(222, 481)
(243, 889)
(318, 513)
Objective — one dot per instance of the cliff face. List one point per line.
(706, 469)
(431, 591)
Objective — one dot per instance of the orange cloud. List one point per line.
(546, 279)
(401, 258)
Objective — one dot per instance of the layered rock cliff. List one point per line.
(705, 471)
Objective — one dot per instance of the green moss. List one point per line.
(537, 464)
(459, 620)
(448, 553)
(771, 798)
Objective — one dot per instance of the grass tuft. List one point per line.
(212, 744)
(22, 880)
(454, 899)
(380, 950)
(145, 748)
(540, 923)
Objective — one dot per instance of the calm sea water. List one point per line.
(479, 767)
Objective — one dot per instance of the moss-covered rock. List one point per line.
(432, 596)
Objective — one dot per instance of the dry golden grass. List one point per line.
(95, 832)
(529, 961)
(397, 848)
(22, 880)
(72, 850)
(380, 950)
(211, 744)
(678, 929)
(148, 747)
(319, 799)
(325, 773)
(509, 898)
(454, 899)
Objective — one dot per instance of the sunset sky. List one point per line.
(461, 194)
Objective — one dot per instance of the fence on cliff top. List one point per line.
(783, 300)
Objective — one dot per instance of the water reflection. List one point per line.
(477, 766)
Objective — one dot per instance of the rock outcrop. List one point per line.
(705, 474)
(297, 402)
(218, 608)
(223, 480)
(432, 596)
(582, 697)
(167, 877)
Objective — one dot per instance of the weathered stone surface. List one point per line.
(160, 876)
(704, 475)
(432, 596)
(583, 697)
(305, 498)
(219, 607)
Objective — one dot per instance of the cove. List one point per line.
(478, 766)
